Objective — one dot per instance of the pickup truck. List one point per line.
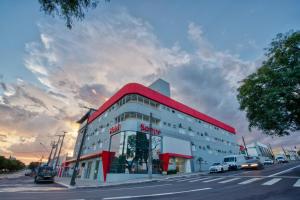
(44, 174)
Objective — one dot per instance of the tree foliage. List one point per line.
(68, 9)
(33, 165)
(270, 96)
(8, 164)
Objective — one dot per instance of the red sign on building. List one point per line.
(145, 128)
(115, 129)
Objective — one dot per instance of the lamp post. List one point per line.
(150, 149)
(74, 174)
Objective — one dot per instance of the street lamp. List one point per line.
(150, 149)
(74, 174)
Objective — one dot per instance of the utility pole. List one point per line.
(245, 146)
(62, 141)
(74, 174)
(50, 155)
(56, 146)
(271, 151)
(150, 149)
(284, 151)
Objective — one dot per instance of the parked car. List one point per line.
(252, 164)
(281, 159)
(268, 161)
(44, 174)
(234, 161)
(218, 167)
(28, 172)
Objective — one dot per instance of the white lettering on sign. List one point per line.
(145, 128)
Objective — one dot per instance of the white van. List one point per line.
(234, 161)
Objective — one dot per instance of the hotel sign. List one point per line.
(145, 128)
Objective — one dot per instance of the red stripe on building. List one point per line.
(135, 88)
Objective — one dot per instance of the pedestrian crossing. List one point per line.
(264, 181)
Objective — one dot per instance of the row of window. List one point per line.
(207, 147)
(198, 133)
(136, 115)
(137, 98)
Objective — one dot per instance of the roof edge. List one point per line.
(136, 88)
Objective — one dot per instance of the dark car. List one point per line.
(252, 164)
(44, 174)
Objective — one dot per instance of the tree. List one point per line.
(68, 9)
(33, 165)
(10, 164)
(270, 96)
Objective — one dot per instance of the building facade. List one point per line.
(117, 139)
(260, 150)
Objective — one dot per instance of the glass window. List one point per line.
(139, 116)
(96, 169)
(146, 101)
(131, 153)
(146, 117)
(134, 97)
(140, 99)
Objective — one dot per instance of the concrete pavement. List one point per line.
(277, 182)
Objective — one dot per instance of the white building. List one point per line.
(116, 143)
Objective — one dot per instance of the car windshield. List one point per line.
(252, 161)
(215, 164)
(229, 159)
(41, 169)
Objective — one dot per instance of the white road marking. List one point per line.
(20, 189)
(211, 180)
(272, 181)
(155, 195)
(201, 179)
(297, 184)
(132, 188)
(230, 180)
(284, 171)
(249, 181)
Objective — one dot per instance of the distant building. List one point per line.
(292, 155)
(116, 144)
(260, 150)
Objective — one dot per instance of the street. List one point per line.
(279, 181)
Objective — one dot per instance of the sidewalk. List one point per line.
(12, 175)
(81, 183)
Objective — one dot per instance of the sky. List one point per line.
(202, 48)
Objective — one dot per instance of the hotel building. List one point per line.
(115, 148)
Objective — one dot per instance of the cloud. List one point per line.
(82, 67)
(87, 65)
(209, 83)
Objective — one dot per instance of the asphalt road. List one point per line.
(276, 182)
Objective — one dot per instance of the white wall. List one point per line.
(174, 145)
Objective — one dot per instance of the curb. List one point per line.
(130, 182)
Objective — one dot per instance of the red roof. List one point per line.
(135, 88)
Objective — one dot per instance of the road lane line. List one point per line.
(249, 181)
(284, 171)
(201, 179)
(272, 181)
(297, 184)
(230, 180)
(139, 187)
(155, 195)
(211, 180)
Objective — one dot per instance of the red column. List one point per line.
(106, 161)
(164, 159)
